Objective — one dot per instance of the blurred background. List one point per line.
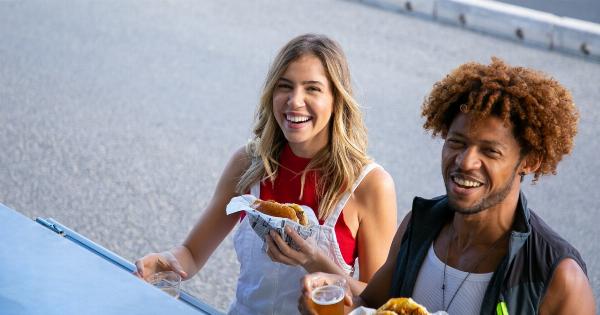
(117, 117)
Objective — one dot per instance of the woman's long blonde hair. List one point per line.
(338, 164)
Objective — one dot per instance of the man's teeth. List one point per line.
(466, 183)
(297, 119)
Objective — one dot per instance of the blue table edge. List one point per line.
(115, 259)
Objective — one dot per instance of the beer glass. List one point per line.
(167, 281)
(328, 298)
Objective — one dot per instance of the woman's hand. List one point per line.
(307, 256)
(157, 262)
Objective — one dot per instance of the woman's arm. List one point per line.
(375, 201)
(377, 291)
(210, 230)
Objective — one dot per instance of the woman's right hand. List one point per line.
(157, 262)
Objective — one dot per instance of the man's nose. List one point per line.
(468, 159)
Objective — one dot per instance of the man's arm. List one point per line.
(378, 289)
(569, 291)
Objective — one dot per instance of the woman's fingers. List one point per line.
(156, 262)
(285, 249)
(139, 268)
(162, 263)
(274, 252)
(303, 245)
(146, 265)
(176, 266)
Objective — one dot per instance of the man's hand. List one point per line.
(314, 280)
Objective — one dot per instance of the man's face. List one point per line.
(480, 161)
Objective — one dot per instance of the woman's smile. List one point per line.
(303, 105)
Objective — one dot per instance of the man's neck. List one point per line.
(487, 226)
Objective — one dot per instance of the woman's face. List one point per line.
(303, 105)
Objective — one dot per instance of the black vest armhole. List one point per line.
(398, 276)
(553, 267)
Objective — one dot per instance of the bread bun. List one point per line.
(290, 211)
(402, 306)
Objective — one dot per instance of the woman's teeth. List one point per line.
(297, 119)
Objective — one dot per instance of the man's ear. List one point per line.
(530, 164)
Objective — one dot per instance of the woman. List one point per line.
(309, 148)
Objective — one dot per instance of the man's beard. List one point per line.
(486, 202)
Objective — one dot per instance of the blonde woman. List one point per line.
(309, 148)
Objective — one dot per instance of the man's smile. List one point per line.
(465, 182)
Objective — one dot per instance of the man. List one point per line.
(479, 249)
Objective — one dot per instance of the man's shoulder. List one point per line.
(549, 244)
(420, 203)
(546, 235)
(430, 213)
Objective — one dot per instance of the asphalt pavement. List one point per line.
(117, 117)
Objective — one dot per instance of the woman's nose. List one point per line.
(296, 98)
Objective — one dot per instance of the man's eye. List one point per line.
(454, 143)
(492, 152)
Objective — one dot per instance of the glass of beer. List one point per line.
(328, 298)
(167, 281)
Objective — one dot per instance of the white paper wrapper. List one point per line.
(262, 223)
(370, 311)
(362, 311)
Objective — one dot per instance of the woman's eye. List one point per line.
(314, 88)
(284, 86)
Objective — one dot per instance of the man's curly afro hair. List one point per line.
(540, 110)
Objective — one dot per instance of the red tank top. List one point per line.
(287, 190)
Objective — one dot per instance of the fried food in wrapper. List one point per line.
(402, 306)
(291, 211)
(397, 306)
(265, 216)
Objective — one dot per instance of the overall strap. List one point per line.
(332, 219)
(255, 190)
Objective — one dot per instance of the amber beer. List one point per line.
(328, 300)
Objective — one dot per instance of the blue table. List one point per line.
(54, 270)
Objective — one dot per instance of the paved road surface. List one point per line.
(588, 10)
(118, 116)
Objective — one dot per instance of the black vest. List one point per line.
(521, 278)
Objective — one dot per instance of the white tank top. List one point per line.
(428, 288)
(266, 287)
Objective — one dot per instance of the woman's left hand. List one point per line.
(279, 251)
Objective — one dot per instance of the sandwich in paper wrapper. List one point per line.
(265, 216)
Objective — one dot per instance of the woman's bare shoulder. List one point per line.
(378, 183)
(240, 160)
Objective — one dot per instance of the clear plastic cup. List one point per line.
(168, 281)
(328, 298)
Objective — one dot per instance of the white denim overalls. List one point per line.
(267, 287)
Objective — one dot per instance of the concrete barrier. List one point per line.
(529, 26)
